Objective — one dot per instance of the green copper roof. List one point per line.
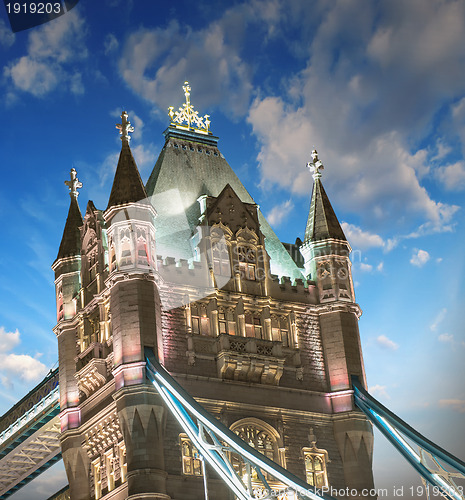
(322, 221)
(191, 165)
(127, 184)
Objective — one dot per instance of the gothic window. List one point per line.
(92, 265)
(247, 262)
(191, 462)
(221, 264)
(199, 320)
(60, 312)
(97, 474)
(226, 322)
(142, 250)
(122, 461)
(126, 254)
(253, 326)
(112, 257)
(315, 469)
(260, 436)
(110, 468)
(280, 329)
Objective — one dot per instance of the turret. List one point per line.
(325, 248)
(67, 265)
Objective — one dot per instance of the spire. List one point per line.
(322, 222)
(127, 184)
(71, 241)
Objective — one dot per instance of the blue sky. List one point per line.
(377, 87)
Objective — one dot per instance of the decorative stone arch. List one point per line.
(263, 430)
(247, 236)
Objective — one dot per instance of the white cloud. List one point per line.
(387, 342)
(8, 340)
(380, 267)
(455, 404)
(438, 319)
(110, 44)
(419, 258)
(453, 176)
(32, 76)
(156, 62)
(279, 213)
(360, 239)
(446, 337)
(17, 366)
(360, 119)
(366, 267)
(23, 366)
(52, 52)
(7, 37)
(379, 391)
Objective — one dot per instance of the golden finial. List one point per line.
(186, 114)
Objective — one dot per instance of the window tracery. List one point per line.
(260, 436)
(191, 461)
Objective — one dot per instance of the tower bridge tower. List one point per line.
(188, 266)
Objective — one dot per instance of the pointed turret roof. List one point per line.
(322, 222)
(127, 184)
(71, 241)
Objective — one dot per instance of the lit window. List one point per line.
(261, 439)
(253, 326)
(247, 261)
(97, 474)
(280, 329)
(199, 320)
(191, 462)
(315, 469)
(110, 467)
(226, 322)
(221, 264)
(122, 461)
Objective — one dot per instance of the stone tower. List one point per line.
(188, 266)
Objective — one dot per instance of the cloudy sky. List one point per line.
(377, 87)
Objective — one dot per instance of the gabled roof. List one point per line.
(187, 168)
(322, 222)
(127, 184)
(71, 240)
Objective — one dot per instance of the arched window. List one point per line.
(253, 326)
(226, 322)
(315, 469)
(315, 461)
(191, 462)
(247, 262)
(280, 329)
(60, 311)
(97, 475)
(221, 263)
(200, 321)
(126, 254)
(143, 257)
(113, 264)
(260, 436)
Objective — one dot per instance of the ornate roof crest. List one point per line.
(188, 119)
(315, 165)
(125, 127)
(74, 184)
